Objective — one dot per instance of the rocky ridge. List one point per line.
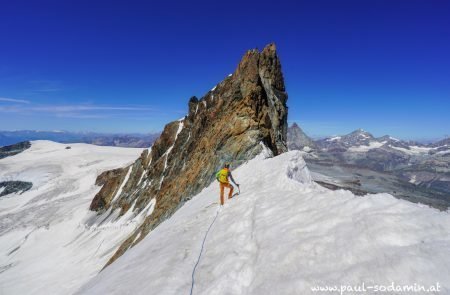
(14, 149)
(10, 187)
(298, 140)
(236, 120)
(366, 164)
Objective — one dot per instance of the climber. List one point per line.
(223, 177)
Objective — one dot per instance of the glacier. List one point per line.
(283, 234)
(50, 243)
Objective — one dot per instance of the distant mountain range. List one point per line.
(357, 161)
(104, 139)
(361, 162)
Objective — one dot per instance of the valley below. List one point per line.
(363, 164)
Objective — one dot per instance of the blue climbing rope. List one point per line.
(201, 251)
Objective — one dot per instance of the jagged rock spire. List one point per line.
(230, 123)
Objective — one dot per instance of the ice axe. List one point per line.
(239, 189)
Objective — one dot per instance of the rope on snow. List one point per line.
(201, 251)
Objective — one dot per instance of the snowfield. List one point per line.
(414, 150)
(284, 235)
(366, 148)
(50, 243)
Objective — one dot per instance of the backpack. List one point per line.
(222, 176)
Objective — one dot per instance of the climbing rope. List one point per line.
(201, 251)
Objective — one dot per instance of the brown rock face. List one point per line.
(228, 124)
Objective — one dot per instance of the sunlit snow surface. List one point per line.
(50, 243)
(364, 148)
(284, 235)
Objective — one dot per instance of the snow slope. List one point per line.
(284, 235)
(366, 148)
(50, 243)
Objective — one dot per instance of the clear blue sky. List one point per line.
(130, 66)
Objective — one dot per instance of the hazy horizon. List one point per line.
(290, 123)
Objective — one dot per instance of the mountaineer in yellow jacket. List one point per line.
(223, 177)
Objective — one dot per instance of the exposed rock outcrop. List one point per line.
(14, 186)
(231, 123)
(14, 149)
(298, 140)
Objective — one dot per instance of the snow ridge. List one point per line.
(279, 236)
